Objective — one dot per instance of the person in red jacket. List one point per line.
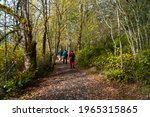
(72, 59)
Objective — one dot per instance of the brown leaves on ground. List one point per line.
(74, 84)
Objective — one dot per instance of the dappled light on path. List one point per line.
(74, 84)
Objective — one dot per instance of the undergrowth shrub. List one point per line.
(133, 67)
(119, 72)
(145, 66)
(45, 68)
(100, 61)
(13, 78)
(85, 56)
(21, 80)
(115, 74)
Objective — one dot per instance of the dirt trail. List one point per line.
(67, 84)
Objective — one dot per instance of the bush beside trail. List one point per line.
(13, 77)
(134, 67)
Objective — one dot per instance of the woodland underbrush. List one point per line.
(121, 68)
(13, 77)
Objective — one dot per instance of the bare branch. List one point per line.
(10, 32)
(9, 11)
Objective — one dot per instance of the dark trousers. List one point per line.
(65, 60)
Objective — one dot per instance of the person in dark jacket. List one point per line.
(65, 56)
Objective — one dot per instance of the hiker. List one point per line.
(65, 56)
(60, 55)
(72, 59)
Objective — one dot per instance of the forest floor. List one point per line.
(76, 84)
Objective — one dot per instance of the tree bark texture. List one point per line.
(29, 44)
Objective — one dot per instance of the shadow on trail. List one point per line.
(64, 69)
(65, 84)
(73, 84)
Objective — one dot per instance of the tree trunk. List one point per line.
(29, 44)
(81, 27)
(6, 53)
(68, 37)
(44, 4)
(59, 25)
(30, 57)
(25, 25)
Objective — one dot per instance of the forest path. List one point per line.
(67, 84)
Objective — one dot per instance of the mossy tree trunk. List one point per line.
(29, 44)
(81, 25)
(26, 31)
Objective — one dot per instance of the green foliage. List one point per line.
(144, 69)
(133, 67)
(9, 85)
(25, 79)
(100, 61)
(115, 74)
(46, 67)
(121, 74)
(14, 61)
(85, 56)
(17, 78)
(21, 80)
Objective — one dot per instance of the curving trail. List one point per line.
(74, 84)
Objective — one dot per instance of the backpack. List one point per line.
(65, 54)
(72, 56)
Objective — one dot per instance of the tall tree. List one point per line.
(44, 4)
(26, 29)
(6, 53)
(81, 24)
(29, 44)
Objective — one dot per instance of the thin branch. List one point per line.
(9, 11)
(35, 6)
(10, 32)
(17, 43)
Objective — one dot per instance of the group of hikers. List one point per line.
(63, 56)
